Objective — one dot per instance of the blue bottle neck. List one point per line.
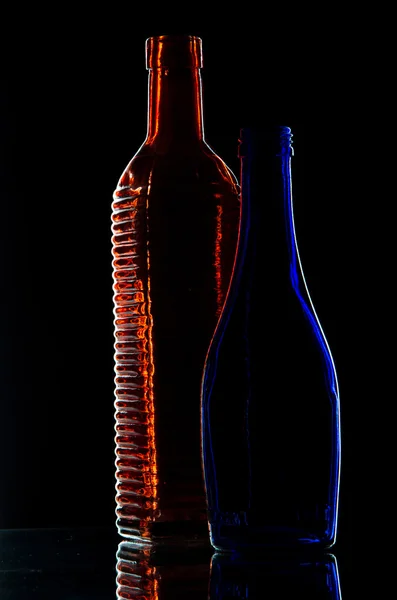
(268, 258)
(267, 212)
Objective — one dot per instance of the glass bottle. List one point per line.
(270, 399)
(175, 216)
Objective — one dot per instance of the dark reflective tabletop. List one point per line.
(88, 563)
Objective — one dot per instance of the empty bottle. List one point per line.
(175, 217)
(270, 399)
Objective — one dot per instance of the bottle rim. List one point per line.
(174, 51)
(273, 138)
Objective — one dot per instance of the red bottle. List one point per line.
(175, 219)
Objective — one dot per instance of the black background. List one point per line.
(73, 113)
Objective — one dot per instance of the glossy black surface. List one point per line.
(271, 576)
(57, 563)
(88, 563)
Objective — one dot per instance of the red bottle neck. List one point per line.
(175, 114)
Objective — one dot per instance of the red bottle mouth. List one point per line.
(174, 51)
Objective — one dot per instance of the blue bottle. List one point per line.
(270, 408)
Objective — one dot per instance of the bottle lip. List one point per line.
(266, 131)
(276, 139)
(174, 51)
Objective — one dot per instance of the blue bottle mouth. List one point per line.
(274, 139)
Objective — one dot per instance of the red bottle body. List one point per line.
(175, 218)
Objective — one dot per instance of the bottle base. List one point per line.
(181, 534)
(226, 538)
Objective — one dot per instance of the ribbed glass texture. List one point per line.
(156, 573)
(175, 217)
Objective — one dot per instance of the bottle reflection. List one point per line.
(149, 573)
(166, 574)
(281, 577)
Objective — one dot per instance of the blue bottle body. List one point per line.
(270, 403)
